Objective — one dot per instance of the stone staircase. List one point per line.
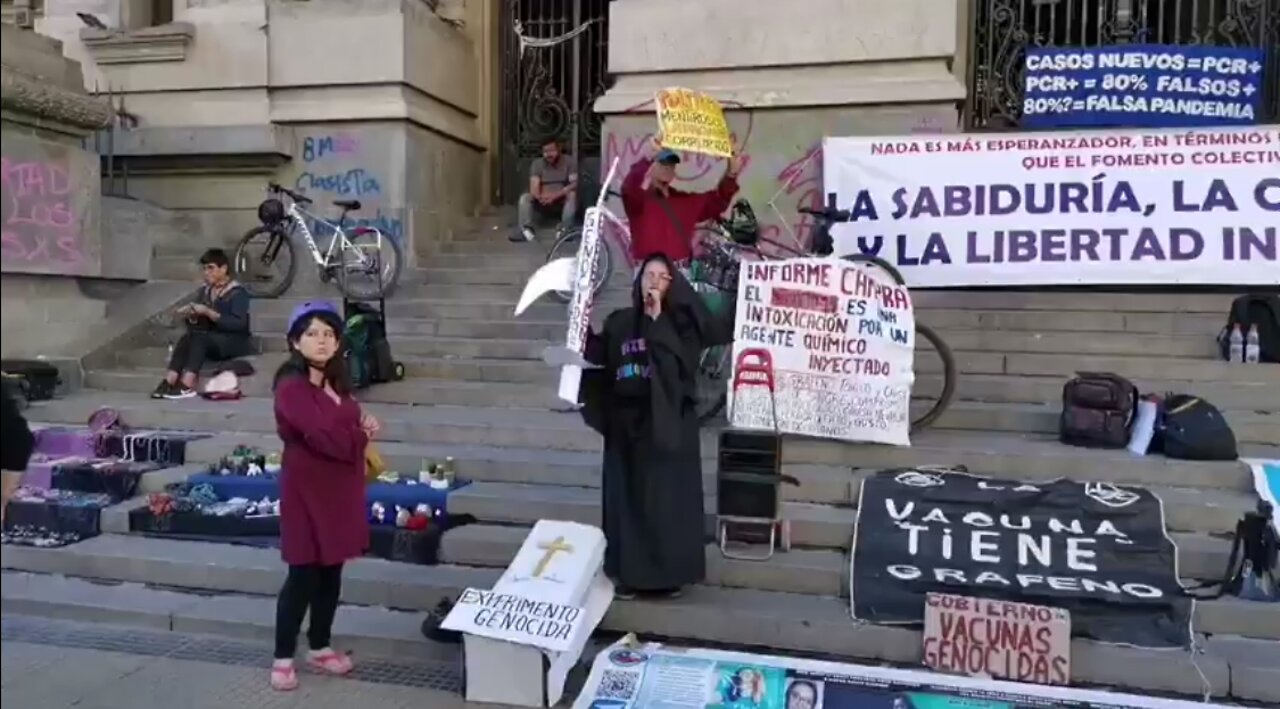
(477, 391)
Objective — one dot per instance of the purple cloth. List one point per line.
(39, 472)
(60, 442)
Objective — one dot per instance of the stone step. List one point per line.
(363, 630)
(1019, 457)
(502, 309)
(495, 275)
(1090, 321)
(415, 391)
(706, 614)
(972, 387)
(1090, 300)
(962, 415)
(552, 329)
(812, 525)
(1187, 509)
(527, 259)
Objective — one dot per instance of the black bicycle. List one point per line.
(718, 270)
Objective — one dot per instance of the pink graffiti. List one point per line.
(39, 222)
(801, 185)
(693, 166)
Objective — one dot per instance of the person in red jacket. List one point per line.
(663, 219)
(323, 518)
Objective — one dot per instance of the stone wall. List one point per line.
(788, 79)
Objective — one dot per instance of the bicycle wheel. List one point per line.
(712, 384)
(567, 247)
(948, 374)
(254, 268)
(378, 273)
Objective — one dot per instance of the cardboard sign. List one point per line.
(514, 618)
(693, 122)
(998, 639)
(841, 338)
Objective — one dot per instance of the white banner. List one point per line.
(838, 341)
(653, 676)
(1123, 207)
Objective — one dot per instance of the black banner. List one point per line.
(1098, 550)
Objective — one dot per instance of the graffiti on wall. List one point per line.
(335, 166)
(42, 223)
(782, 161)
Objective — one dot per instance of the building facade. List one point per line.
(428, 110)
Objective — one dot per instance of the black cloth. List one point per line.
(642, 401)
(196, 347)
(306, 587)
(17, 441)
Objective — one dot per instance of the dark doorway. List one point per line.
(553, 55)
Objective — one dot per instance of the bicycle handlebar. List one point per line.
(280, 189)
(830, 215)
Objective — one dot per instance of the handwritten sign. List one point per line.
(842, 339)
(516, 618)
(998, 639)
(693, 122)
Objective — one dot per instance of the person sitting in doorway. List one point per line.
(663, 219)
(553, 191)
(217, 328)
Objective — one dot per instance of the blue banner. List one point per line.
(1149, 86)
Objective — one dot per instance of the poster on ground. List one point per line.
(657, 676)
(1080, 208)
(836, 340)
(694, 122)
(1147, 85)
(1097, 550)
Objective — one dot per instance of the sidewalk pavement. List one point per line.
(41, 667)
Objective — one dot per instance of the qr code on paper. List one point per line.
(615, 684)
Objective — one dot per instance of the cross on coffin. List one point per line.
(551, 548)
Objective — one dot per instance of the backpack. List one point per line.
(1190, 428)
(1097, 410)
(1247, 311)
(367, 349)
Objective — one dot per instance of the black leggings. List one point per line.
(196, 347)
(315, 587)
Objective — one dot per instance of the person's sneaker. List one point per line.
(624, 593)
(180, 391)
(523, 234)
(162, 390)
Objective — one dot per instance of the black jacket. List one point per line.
(233, 306)
(16, 441)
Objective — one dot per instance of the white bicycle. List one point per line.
(367, 264)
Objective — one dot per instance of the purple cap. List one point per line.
(311, 307)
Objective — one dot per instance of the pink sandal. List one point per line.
(331, 662)
(284, 678)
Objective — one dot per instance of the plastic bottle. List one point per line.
(448, 471)
(1252, 345)
(1236, 349)
(1144, 426)
(424, 475)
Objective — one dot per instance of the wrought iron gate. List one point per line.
(1002, 30)
(553, 69)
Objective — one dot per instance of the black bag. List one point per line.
(368, 351)
(1190, 428)
(1250, 310)
(33, 379)
(1097, 410)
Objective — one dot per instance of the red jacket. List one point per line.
(323, 518)
(653, 230)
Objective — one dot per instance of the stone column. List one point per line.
(795, 74)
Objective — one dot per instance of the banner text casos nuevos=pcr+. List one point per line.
(1118, 207)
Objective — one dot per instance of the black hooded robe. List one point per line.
(642, 401)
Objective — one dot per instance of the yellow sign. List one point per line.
(694, 122)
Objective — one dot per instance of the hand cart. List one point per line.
(749, 474)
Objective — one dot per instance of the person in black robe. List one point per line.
(641, 399)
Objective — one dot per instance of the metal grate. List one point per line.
(135, 641)
(549, 91)
(1001, 31)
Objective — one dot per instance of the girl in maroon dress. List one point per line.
(323, 522)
